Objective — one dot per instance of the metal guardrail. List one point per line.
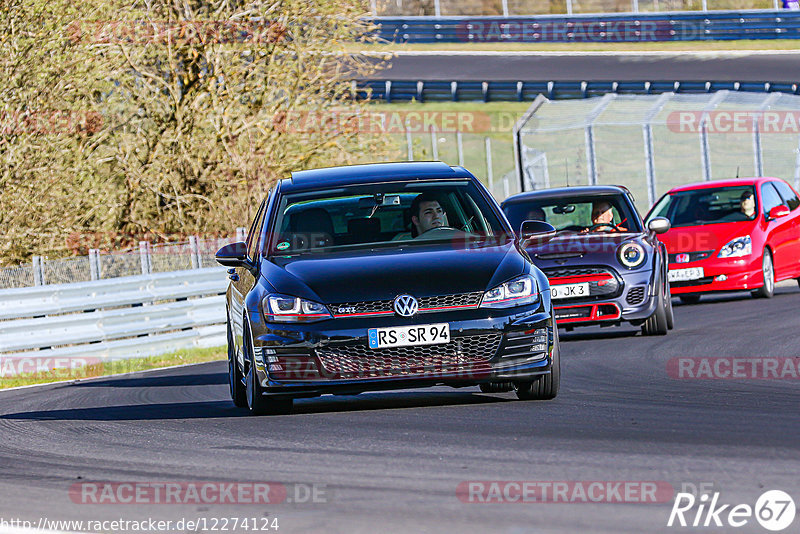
(491, 91)
(126, 317)
(628, 27)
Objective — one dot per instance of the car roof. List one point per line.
(722, 183)
(565, 192)
(372, 173)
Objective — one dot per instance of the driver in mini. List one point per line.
(427, 214)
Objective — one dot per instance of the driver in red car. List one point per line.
(603, 218)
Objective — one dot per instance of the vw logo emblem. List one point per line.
(682, 258)
(406, 306)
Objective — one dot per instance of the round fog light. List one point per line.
(721, 278)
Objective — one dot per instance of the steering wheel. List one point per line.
(613, 226)
(437, 228)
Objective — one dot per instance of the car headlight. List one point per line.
(741, 246)
(286, 309)
(631, 255)
(517, 292)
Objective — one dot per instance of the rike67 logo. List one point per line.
(774, 510)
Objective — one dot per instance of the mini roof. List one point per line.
(566, 192)
(372, 173)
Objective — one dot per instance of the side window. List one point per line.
(255, 231)
(788, 195)
(770, 197)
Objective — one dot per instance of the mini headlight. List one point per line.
(741, 246)
(286, 309)
(517, 292)
(631, 255)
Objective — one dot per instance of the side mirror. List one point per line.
(777, 212)
(233, 255)
(532, 233)
(659, 225)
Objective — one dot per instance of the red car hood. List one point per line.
(704, 237)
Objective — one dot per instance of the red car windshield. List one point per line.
(708, 206)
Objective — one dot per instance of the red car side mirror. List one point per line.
(778, 211)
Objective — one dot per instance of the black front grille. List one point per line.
(635, 295)
(698, 282)
(558, 272)
(466, 353)
(693, 256)
(425, 304)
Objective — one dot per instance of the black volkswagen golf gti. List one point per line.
(385, 276)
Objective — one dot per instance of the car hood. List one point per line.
(582, 249)
(704, 237)
(422, 270)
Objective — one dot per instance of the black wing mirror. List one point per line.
(233, 255)
(533, 233)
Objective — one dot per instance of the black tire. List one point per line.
(767, 290)
(656, 324)
(257, 403)
(670, 314)
(235, 378)
(690, 299)
(544, 387)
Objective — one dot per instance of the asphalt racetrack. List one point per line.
(743, 66)
(392, 462)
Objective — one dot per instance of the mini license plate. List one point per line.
(566, 291)
(682, 275)
(406, 336)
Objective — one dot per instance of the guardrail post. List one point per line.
(373, 4)
(437, 8)
(144, 256)
(635, 6)
(194, 251)
(94, 264)
(387, 91)
(434, 143)
(38, 272)
(505, 7)
(705, 5)
(489, 172)
(569, 7)
(460, 147)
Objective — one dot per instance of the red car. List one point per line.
(731, 235)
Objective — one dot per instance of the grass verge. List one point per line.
(46, 374)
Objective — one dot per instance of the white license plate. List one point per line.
(406, 336)
(682, 275)
(567, 291)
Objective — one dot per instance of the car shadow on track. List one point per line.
(198, 379)
(226, 409)
(594, 333)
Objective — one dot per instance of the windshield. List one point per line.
(707, 206)
(579, 214)
(385, 215)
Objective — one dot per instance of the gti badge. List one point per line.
(406, 306)
(682, 258)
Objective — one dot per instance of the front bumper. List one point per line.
(740, 274)
(634, 300)
(334, 356)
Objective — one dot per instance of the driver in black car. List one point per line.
(426, 214)
(603, 218)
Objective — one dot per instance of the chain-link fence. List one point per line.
(148, 258)
(445, 8)
(653, 143)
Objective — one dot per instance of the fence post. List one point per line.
(38, 272)
(758, 151)
(144, 256)
(649, 157)
(705, 151)
(506, 187)
(94, 264)
(194, 251)
(434, 143)
(489, 172)
(505, 7)
(635, 6)
(569, 7)
(437, 8)
(705, 5)
(460, 146)
(374, 7)
(591, 155)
